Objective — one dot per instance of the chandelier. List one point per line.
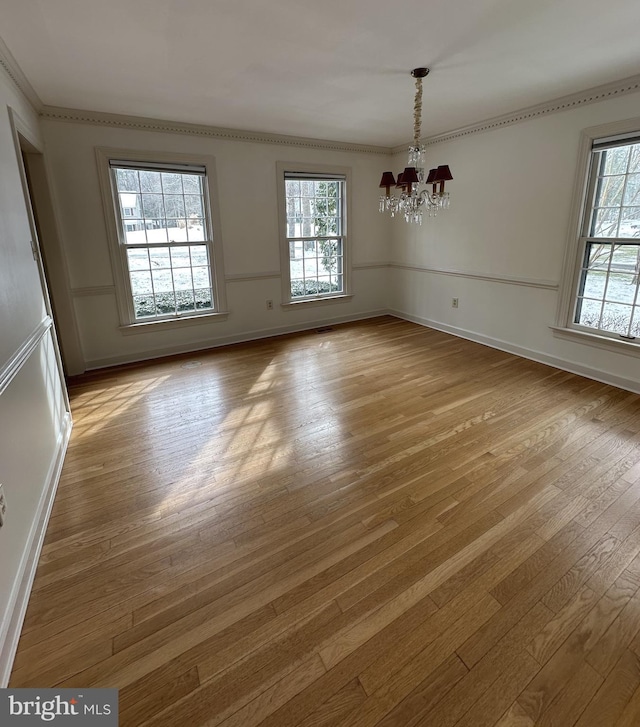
(418, 194)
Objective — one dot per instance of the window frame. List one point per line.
(578, 239)
(118, 248)
(322, 171)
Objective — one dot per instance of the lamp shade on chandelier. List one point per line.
(418, 193)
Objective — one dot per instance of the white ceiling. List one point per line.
(328, 69)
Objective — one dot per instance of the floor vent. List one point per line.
(191, 365)
(324, 329)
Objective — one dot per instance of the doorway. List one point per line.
(47, 250)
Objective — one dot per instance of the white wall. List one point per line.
(246, 174)
(509, 218)
(33, 418)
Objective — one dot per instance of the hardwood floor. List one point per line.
(375, 525)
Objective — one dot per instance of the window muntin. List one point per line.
(165, 233)
(607, 298)
(315, 234)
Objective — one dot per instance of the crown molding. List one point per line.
(13, 71)
(99, 118)
(564, 103)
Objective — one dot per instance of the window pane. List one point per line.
(156, 231)
(201, 277)
(621, 288)
(180, 257)
(630, 222)
(159, 257)
(174, 205)
(624, 258)
(297, 288)
(171, 183)
(609, 193)
(127, 180)
(134, 231)
(162, 281)
(588, 313)
(605, 222)
(311, 267)
(130, 204)
(177, 230)
(195, 229)
(138, 258)
(199, 255)
(598, 255)
(144, 306)
(141, 282)
(184, 300)
(311, 287)
(594, 283)
(150, 181)
(152, 206)
(203, 298)
(632, 191)
(165, 304)
(616, 318)
(192, 183)
(193, 205)
(615, 160)
(182, 279)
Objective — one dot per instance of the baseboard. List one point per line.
(558, 363)
(204, 344)
(19, 600)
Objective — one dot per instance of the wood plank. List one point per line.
(515, 716)
(617, 638)
(342, 703)
(566, 708)
(506, 657)
(612, 698)
(413, 709)
(569, 659)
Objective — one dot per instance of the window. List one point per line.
(606, 292)
(314, 235)
(164, 240)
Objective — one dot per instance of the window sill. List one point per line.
(309, 302)
(166, 324)
(630, 348)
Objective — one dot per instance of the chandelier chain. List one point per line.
(417, 112)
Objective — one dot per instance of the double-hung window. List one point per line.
(607, 297)
(164, 240)
(314, 222)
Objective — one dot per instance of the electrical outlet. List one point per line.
(3, 506)
(269, 305)
(454, 302)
